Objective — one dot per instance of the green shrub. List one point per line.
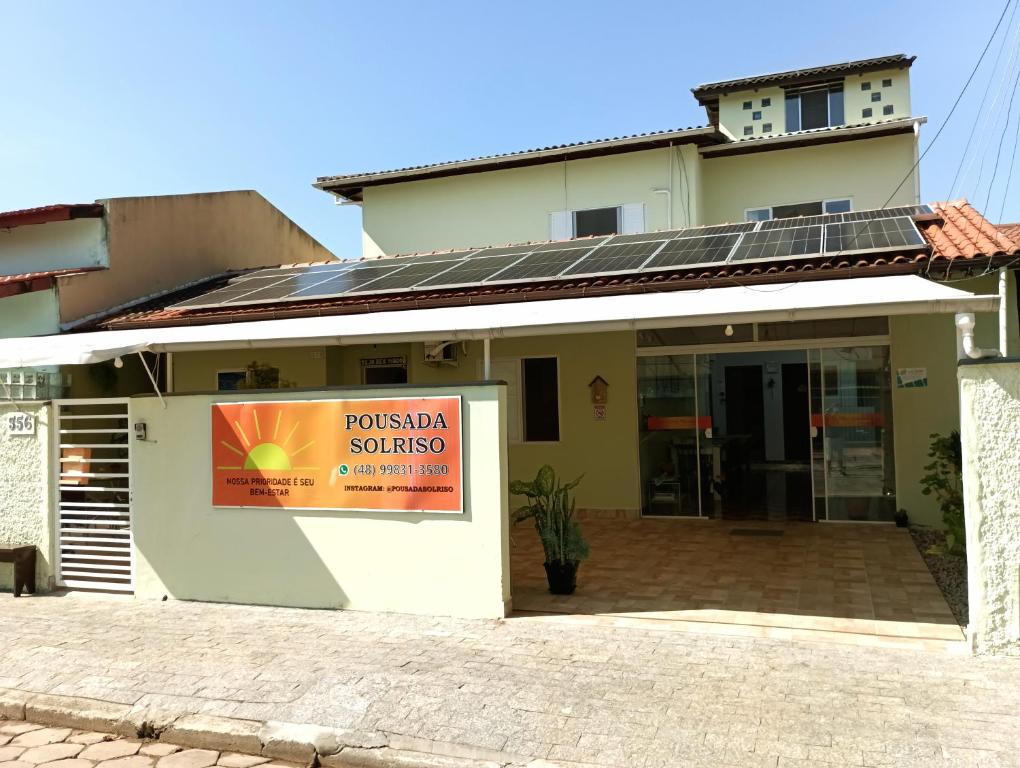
(944, 481)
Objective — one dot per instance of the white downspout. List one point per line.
(1003, 316)
(669, 205)
(486, 359)
(965, 335)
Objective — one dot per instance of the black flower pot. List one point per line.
(562, 577)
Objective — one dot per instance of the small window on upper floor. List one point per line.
(756, 115)
(625, 219)
(888, 109)
(866, 85)
(748, 130)
(597, 221)
(887, 83)
(866, 112)
(767, 102)
(747, 105)
(811, 208)
(876, 96)
(766, 127)
(817, 107)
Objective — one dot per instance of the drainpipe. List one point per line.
(965, 337)
(669, 205)
(1003, 321)
(486, 360)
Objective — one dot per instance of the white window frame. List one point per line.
(216, 377)
(575, 211)
(563, 224)
(825, 202)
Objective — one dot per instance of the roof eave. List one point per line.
(823, 136)
(350, 188)
(710, 92)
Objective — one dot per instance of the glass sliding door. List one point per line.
(851, 434)
(672, 398)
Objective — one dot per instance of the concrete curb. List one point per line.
(308, 744)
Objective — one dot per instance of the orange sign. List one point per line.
(822, 420)
(380, 455)
(678, 422)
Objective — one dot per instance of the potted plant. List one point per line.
(551, 507)
(901, 518)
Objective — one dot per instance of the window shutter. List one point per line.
(561, 225)
(633, 219)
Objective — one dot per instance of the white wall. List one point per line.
(30, 314)
(54, 245)
(989, 425)
(25, 491)
(410, 563)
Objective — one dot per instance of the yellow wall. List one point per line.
(301, 366)
(513, 205)
(405, 562)
(865, 170)
(733, 117)
(160, 243)
(898, 95)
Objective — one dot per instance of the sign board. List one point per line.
(911, 378)
(599, 412)
(400, 454)
(20, 424)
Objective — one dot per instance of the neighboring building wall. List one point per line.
(29, 314)
(160, 243)
(513, 205)
(990, 402)
(25, 480)
(865, 170)
(54, 245)
(406, 562)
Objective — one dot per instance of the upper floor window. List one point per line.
(625, 219)
(815, 107)
(597, 221)
(839, 205)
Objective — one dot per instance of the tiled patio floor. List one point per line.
(863, 580)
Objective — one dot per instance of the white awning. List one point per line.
(807, 300)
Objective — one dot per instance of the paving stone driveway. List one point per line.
(613, 696)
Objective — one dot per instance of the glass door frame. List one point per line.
(807, 346)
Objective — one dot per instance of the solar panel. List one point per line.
(800, 221)
(406, 277)
(887, 213)
(232, 290)
(868, 235)
(322, 287)
(586, 243)
(539, 264)
(615, 258)
(694, 250)
(471, 271)
(778, 244)
(718, 229)
(644, 237)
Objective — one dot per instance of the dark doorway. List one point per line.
(796, 444)
(745, 408)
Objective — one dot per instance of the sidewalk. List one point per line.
(510, 691)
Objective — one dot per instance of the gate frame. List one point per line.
(56, 465)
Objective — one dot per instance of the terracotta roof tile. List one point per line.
(27, 282)
(48, 213)
(965, 233)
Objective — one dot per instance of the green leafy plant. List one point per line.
(261, 376)
(944, 481)
(551, 507)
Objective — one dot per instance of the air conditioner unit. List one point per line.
(442, 353)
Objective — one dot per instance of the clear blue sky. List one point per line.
(139, 98)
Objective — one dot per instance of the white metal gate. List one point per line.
(93, 515)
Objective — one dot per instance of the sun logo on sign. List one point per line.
(270, 454)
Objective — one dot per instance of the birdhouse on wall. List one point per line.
(599, 391)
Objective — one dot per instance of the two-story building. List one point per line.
(750, 321)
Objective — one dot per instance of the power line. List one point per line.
(981, 107)
(1002, 136)
(1009, 176)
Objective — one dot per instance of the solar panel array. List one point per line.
(711, 246)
